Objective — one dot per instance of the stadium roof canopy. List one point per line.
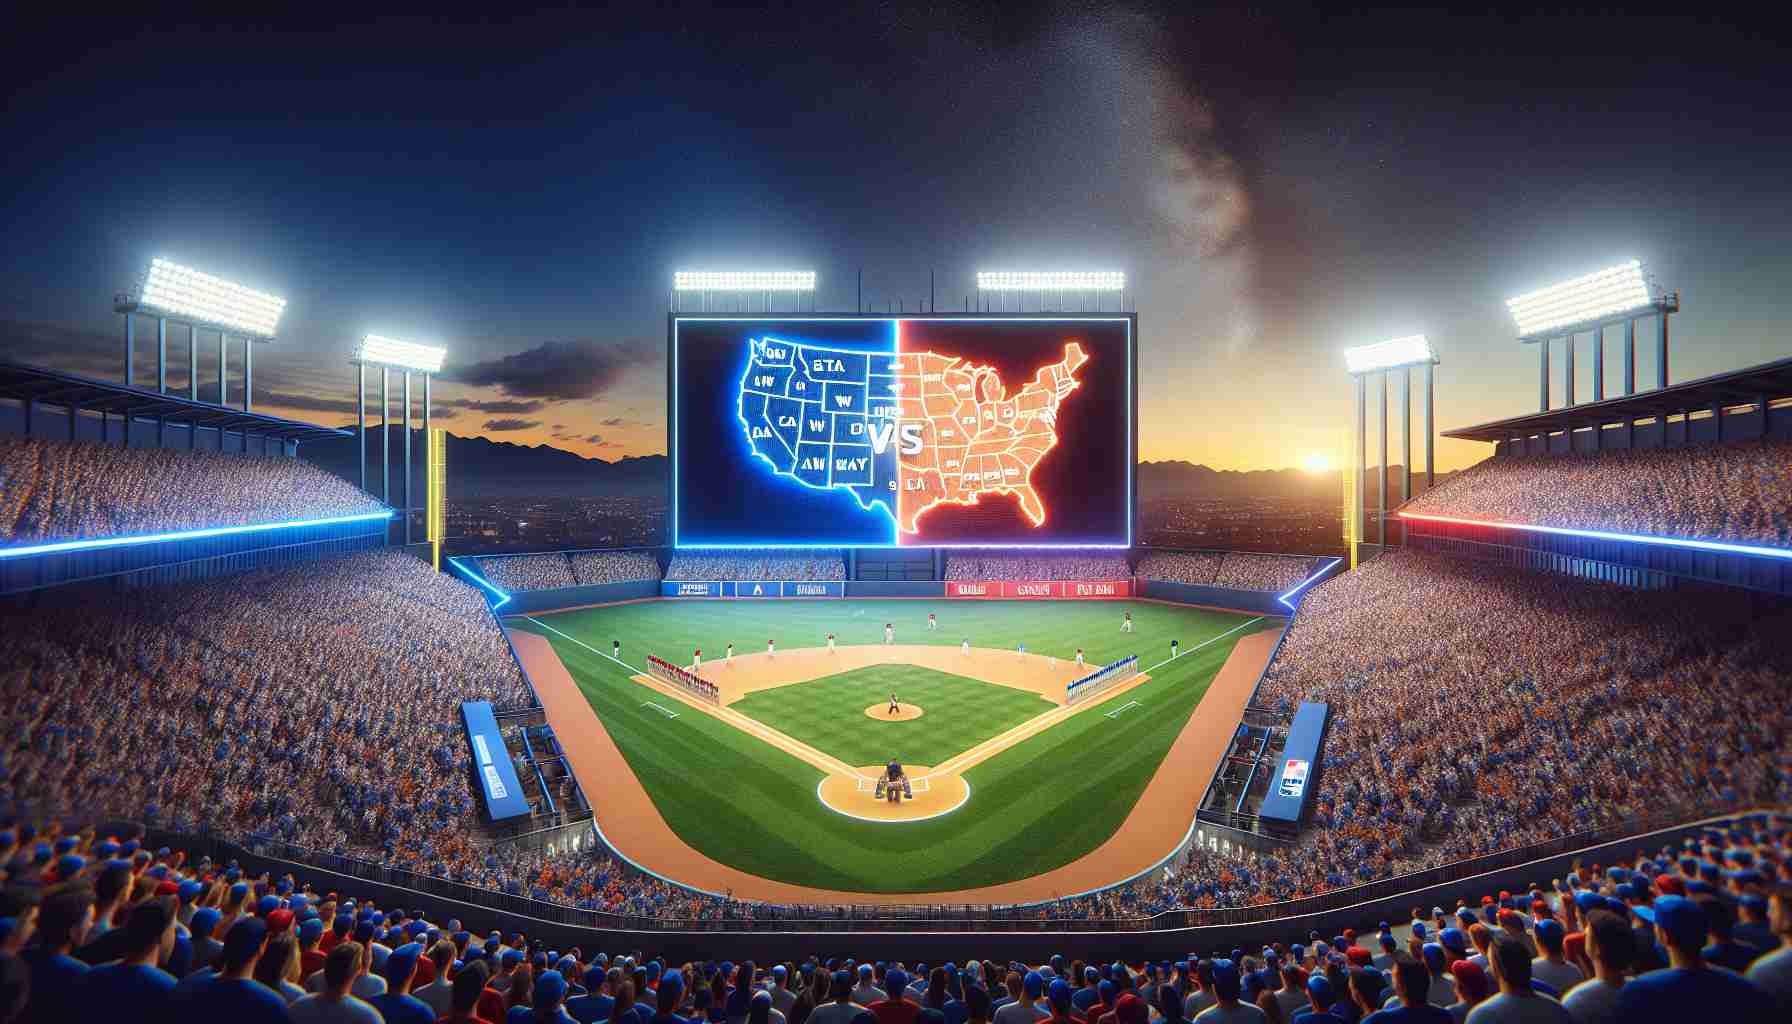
(1747, 386)
(31, 383)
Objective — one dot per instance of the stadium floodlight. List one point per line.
(1051, 281)
(403, 355)
(744, 280)
(182, 293)
(1388, 355)
(1603, 295)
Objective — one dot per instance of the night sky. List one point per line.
(1277, 186)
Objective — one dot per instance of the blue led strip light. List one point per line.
(25, 550)
(1304, 584)
(1633, 538)
(503, 598)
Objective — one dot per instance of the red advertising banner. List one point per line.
(1052, 590)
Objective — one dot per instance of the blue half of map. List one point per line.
(823, 417)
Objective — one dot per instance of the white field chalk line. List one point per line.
(581, 643)
(1204, 643)
(668, 712)
(1116, 712)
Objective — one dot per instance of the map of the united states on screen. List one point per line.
(903, 432)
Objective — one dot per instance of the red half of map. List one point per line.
(976, 437)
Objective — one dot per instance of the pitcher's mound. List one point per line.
(904, 712)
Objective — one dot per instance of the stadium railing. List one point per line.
(755, 917)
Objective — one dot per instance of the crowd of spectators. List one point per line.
(100, 926)
(1478, 707)
(1739, 491)
(589, 567)
(517, 573)
(794, 565)
(1236, 570)
(62, 490)
(315, 704)
(1040, 565)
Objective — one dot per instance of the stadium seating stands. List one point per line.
(1740, 491)
(63, 490)
(1236, 570)
(99, 925)
(314, 704)
(555, 569)
(1032, 565)
(1477, 707)
(757, 565)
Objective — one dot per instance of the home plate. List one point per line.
(1116, 712)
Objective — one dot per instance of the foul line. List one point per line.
(1116, 712)
(1204, 643)
(668, 712)
(588, 647)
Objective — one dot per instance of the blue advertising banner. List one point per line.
(752, 588)
(497, 777)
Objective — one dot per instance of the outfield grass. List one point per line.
(1033, 807)
(829, 713)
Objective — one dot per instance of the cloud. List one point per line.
(615, 421)
(496, 406)
(558, 370)
(595, 439)
(498, 426)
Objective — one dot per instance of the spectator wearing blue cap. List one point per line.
(595, 1004)
(898, 1008)
(397, 1004)
(1752, 927)
(840, 1009)
(1723, 949)
(1550, 966)
(1689, 987)
(1322, 997)
(866, 991)
(233, 994)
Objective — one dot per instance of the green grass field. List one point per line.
(1033, 807)
(829, 714)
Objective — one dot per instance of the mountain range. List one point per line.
(482, 468)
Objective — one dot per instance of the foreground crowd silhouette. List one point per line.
(1740, 491)
(62, 490)
(99, 926)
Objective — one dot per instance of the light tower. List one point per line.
(1593, 302)
(1381, 359)
(1009, 289)
(406, 357)
(173, 293)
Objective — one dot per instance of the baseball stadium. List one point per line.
(904, 686)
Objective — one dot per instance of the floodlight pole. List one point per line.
(1543, 375)
(385, 442)
(130, 352)
(1568, 376)
(361, 421)
(1430, 432)
(1661, 349)
(1405, 434)
(223, 368)
(192, 365)
(407, 456)
(1598, 363)
(1362, 457)
(428, 497)
(1629, 357)
(1381, 521)
(248, 374)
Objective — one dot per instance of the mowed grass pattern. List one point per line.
(829, 714)
(1036, 806)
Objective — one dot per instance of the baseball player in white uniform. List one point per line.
(830, 643)
(771, 648)
(697, 661)
(889, 633)
(1126, 623)
(728, 654)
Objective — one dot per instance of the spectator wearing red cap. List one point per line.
(1472, 989)
(1513, 926)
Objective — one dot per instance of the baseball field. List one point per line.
(767, 792)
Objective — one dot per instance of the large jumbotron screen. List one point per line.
(792, 431)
